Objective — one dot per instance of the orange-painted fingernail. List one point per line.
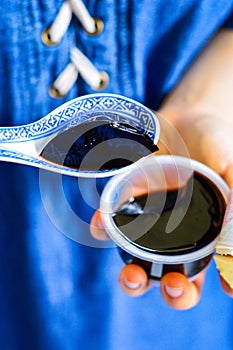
(132, 285)
(173, 292)
(98, 219)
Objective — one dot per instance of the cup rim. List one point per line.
(114, 232)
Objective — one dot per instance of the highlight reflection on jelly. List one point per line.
(87, 146)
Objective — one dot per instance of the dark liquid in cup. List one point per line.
(98, 145)
(201, 222)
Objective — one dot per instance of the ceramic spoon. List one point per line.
(24, 144)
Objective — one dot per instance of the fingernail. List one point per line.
(99, 221)
(173, 292)
(132, 285)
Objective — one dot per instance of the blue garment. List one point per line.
(56, 293)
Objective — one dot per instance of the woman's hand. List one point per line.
(196, 119)
(211, 148)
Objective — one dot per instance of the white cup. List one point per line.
(153, 174)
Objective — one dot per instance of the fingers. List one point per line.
(178, 292)
(96, 227)
(133, 280)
